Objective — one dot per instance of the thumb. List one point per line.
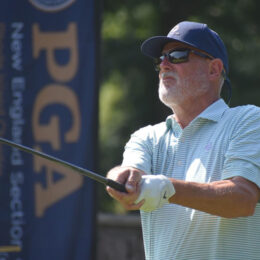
(133, 181)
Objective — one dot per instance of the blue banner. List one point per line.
(48, 101)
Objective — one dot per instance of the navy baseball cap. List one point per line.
(193, 34)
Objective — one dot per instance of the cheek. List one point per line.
(197, 76)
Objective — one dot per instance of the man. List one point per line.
(195, 177)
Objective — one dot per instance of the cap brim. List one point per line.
(153, 46)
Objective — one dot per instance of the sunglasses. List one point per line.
(178, 56)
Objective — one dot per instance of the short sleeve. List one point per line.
(243, 154)
(138, 150)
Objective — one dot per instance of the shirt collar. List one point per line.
(213, 112)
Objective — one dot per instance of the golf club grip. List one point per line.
(116, 185)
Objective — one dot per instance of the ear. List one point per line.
(215, 69)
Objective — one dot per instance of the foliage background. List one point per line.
(128, 83)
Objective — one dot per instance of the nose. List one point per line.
(165, 64)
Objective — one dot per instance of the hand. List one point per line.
(131, 178)
(155, 190)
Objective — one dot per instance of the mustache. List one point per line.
(168, 74)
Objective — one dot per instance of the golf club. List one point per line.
(99, 178)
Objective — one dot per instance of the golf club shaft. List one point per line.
(92, 175)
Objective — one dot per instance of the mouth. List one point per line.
(168, 76)
(168, 79)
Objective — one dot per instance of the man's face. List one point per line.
(182, 83)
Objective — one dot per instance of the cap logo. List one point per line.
(175, 30)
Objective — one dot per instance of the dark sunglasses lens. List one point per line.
(178, 56)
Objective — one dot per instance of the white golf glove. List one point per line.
(156, 190)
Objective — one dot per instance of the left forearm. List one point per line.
(226, 198)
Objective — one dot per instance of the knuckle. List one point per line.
(134, 177)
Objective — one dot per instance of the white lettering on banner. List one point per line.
(16, 114)
(16, 206)
(16, 46)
